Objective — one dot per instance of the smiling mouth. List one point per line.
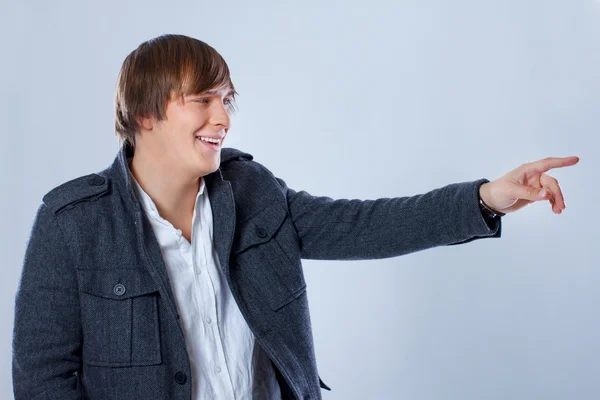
(214, 144)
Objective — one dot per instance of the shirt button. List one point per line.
(119, 289)
(180, 377)
(178, 232)
(218, 369)
(208, 320)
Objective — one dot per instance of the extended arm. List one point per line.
(355, 229)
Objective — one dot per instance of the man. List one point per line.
(175, 273)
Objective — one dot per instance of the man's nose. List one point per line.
(220, 115)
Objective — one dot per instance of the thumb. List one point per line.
(531, 193)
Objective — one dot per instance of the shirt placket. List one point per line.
(207, 284)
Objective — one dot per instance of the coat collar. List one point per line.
(121, 169)
(222, 205)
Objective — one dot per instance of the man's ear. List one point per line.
(146, 122)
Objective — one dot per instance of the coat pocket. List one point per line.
(119, 316)
(266, 251)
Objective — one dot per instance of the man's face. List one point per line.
(179, 138)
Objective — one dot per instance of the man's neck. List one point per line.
(173, 193)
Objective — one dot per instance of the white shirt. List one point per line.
(226, 361)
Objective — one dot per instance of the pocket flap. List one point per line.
(260, 227)
(117, 284)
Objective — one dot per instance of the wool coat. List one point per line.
(95, 316)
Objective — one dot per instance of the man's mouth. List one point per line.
(212, 143)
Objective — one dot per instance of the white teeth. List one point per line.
(211, 140)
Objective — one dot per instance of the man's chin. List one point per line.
(211, 165)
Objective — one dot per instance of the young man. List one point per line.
(175, 273)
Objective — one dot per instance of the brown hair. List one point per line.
(161, 69)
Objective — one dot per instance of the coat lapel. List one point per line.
(222, 205)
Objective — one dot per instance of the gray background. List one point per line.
(356, 99)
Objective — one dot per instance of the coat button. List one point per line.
(261, 232)
(97, 180)
(119, 289)
(180, 377)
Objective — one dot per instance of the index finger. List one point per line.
(548, 163)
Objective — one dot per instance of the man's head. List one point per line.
(170, 91)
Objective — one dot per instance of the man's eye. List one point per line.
(206, 100)
(229, 103)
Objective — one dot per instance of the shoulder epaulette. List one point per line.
(67, 195)
(230, 153)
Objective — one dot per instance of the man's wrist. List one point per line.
(485, 209)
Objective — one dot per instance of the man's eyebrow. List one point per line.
(212, 91)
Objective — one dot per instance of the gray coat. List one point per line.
(95, 316)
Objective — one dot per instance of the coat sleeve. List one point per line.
(46, 343)
(345, 229)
